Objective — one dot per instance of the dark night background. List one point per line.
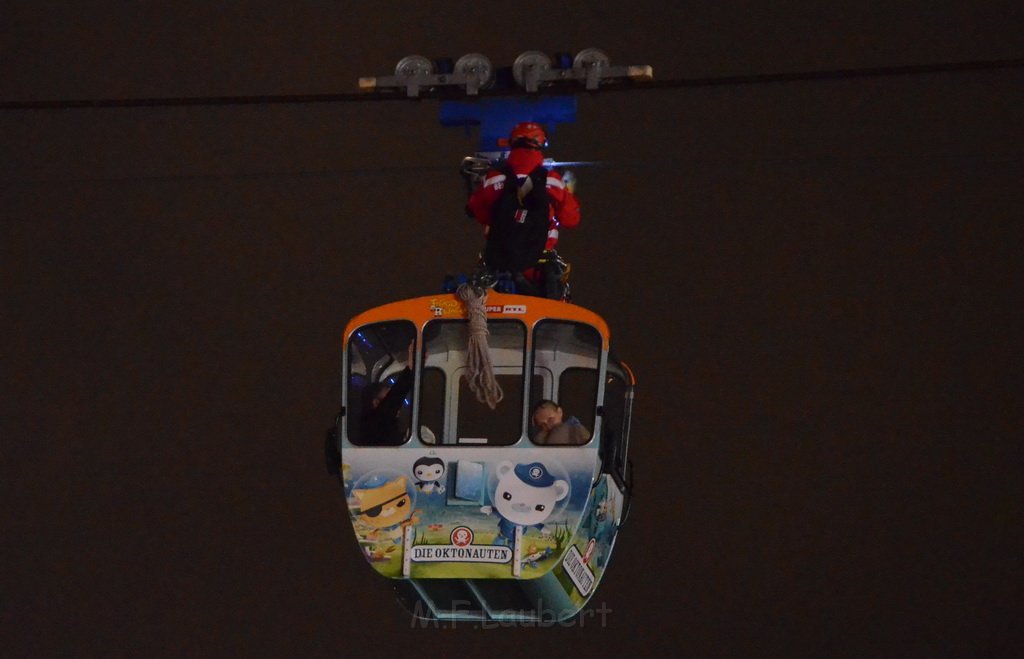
(817, 283)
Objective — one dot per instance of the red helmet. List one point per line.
(528, 134)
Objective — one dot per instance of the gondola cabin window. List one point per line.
(566, 362)
(380, 383)
(448, 406)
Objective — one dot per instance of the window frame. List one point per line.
(450, 435)
(353, 399)
(594, 409)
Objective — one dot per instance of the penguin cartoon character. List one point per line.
(525, 496)
(428, 472)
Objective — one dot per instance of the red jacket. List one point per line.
(564, 210)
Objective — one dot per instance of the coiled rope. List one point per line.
(480, 376)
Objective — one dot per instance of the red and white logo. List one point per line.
(462, 536)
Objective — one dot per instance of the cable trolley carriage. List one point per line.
(456, 495)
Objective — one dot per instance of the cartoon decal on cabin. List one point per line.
(428, 472)
(497, 502)
(540, 518)
(525, 496)
(383, 506)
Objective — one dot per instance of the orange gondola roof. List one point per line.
(526, 308)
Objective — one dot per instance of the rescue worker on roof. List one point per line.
(521, 221)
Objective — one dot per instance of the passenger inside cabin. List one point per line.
(552, 428)
(379, 421)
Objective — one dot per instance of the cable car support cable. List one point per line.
(448, 93)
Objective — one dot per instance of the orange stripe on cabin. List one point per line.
(530, 310)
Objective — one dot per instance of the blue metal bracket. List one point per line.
(497, 116)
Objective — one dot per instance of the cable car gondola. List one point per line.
(464, 509)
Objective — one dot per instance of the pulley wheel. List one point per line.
(589, 58)
(475, 65)
(530, 60)
(411, 66)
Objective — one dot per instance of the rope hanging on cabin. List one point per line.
(480, 377)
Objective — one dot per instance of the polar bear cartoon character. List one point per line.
(525, 496)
